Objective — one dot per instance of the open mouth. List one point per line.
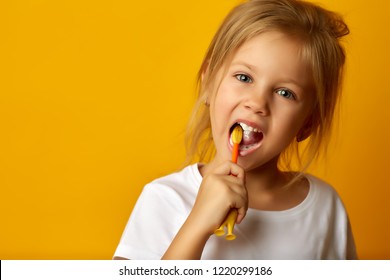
(251, 140)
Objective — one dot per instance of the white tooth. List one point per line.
(246, 127)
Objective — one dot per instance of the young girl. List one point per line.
(275, 68)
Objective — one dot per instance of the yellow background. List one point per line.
(94, 98)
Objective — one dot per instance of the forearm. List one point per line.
(188, 243)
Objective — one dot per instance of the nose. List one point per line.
(258, 102)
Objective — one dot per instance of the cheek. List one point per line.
(221, 107)
(225, 97)
(222, 99)
(289, 122)
(218, 115)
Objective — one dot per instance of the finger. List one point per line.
(239, 200)
(241, 213)
(237, 171)
(229, 168)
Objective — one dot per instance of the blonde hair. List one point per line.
(318, 30)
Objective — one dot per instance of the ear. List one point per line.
(204, 69)
(305, 131)
(202, 74)
(303, 134)
(206, 100)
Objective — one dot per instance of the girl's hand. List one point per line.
(223, 188)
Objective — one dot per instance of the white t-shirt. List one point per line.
(317, 228)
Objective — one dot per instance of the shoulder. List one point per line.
(166, 198)
(158, 214)
(181, 186)
(189, 173)
(329, 211)
(321, 186)
(324, 195)
(187, 178)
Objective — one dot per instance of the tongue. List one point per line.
(251, 137)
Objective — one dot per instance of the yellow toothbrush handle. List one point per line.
(230, 221)
(220, 231)
(229, 224)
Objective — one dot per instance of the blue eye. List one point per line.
(285, 93)
(243, 78)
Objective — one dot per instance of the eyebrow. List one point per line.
(247, 65)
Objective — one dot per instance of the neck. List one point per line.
(266, 177)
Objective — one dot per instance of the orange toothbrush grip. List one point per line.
(235, 153)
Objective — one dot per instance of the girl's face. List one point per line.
(268, 89)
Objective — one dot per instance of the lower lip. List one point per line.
(250, 150)
(245, 152)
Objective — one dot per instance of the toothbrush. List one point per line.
(236, 138)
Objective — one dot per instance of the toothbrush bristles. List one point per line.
(236, 134)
